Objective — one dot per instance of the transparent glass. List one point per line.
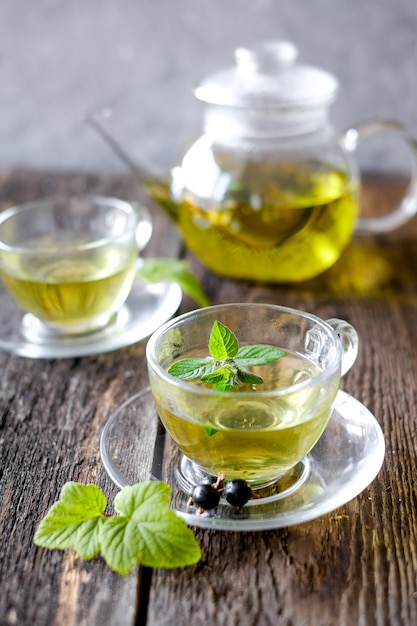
(69, 262)
(278, 209)
(253, 434)
(148, 305)
(346, 459)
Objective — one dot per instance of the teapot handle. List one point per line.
(408, 205)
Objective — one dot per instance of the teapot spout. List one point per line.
(157, 187)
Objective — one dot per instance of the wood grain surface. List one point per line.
(354, 566)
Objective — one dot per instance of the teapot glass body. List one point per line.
(267, 208)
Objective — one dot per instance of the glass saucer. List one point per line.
(134, 447)
(147, 307)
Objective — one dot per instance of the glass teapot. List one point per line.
(270, 192)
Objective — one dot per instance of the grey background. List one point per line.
(62, 58)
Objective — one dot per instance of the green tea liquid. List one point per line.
(269, 222)
(255, 438)
(67, 291)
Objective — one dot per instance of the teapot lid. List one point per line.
(268, 76)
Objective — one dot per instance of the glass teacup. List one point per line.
(252, 433)
(69, 262)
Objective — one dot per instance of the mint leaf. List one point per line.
(223, 375)
(248, 377)
(210, 431)
(191, 369)
(223, 343)
(224, 385)
(173, 270)
(228, 368)
(144, 531)
(250, 356)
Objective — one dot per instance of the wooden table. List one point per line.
(354, 566)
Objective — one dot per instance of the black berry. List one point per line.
(205, 496)
(237, 492)
(209, 480)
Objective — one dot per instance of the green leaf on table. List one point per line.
(173, 270)
(145, 530)
(73, 521)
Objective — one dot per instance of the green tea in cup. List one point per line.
(243, 429)
(71, 262)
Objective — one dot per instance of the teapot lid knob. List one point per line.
(268, 76)
(267, 57)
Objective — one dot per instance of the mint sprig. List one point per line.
(144, 530)
(227, 366)
(173, 270)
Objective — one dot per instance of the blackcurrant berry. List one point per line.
(205, 496)
(209, 480)
(237, 492)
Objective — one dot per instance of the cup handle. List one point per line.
(408, 205)
(349, 340)
(144, 227)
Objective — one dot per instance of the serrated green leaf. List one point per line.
(223, 342)
(87, 498)
(120, 544)
(225, 386)
(191, 369)
(220, 375)
(248, 377)
(86, 540)
(230, 364)
(165, 540)
(210, 431)
(173, 270)
(147, 531)
(149, 493)
(251, 356)
(58, 529)
(79, 508)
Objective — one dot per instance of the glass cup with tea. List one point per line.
(69, 262)
(253, 432)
